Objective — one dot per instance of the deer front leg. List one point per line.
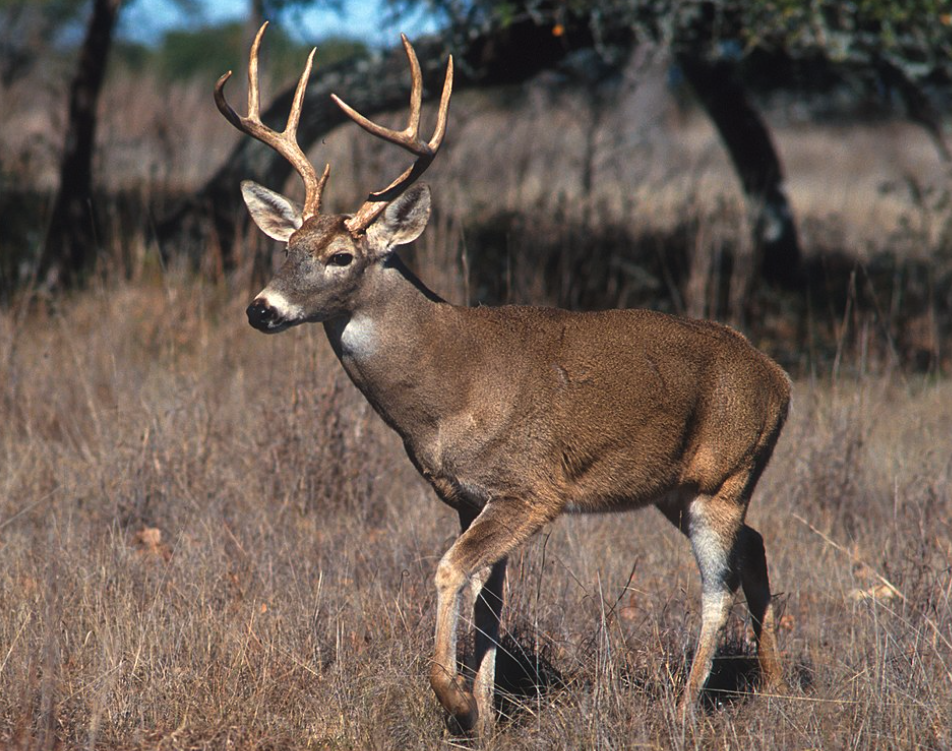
(501, 526)
(449, 687)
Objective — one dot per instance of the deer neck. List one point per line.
(391, 345)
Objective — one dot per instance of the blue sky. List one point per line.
(146, 20)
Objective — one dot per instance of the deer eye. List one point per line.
(340, 259)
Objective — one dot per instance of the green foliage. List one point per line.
(129, 56)
(910, 31)
(915, 35)
(209, 51)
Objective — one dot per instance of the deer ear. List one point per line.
(275, 215)
(403, 221)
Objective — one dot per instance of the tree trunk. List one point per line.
(372, 86)
(748, 142)
(72, 234)
(919, 109)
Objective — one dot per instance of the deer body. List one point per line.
(516, 415)
(608, 410)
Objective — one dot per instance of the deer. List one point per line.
(517, 415)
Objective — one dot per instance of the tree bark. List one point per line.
(72, 234)
(755, 159)
(919, 109)
(502, 56)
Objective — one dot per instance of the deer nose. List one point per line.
(261, 315)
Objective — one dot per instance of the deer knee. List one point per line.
(449, 579)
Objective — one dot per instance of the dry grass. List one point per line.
(206, 538)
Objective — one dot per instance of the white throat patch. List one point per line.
(359, 337)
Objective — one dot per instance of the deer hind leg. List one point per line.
(712, 525)
(728, 553)
(500, 527)
(752, 560)
(486, 615)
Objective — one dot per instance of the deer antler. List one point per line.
(285, 143)
(409, 139)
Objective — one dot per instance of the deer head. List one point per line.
(330, 255)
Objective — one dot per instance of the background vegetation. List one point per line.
(208, 539)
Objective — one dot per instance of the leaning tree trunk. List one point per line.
(71, 237)
(919, 109)
(748, 142)
(372, 86)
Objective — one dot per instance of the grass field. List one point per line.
(208, 540)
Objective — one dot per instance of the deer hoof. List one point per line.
(456, 699)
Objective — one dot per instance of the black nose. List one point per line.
(261, 315)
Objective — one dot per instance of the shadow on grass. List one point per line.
(735, 677)
(524, 674)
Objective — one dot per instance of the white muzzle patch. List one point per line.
(280, 304)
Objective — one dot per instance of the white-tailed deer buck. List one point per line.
(516, 415)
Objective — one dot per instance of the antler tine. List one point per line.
(254, 110)
(285, 142)
(408, 138)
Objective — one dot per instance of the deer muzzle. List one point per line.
(265, 317)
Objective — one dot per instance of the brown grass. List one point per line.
(207, 538)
